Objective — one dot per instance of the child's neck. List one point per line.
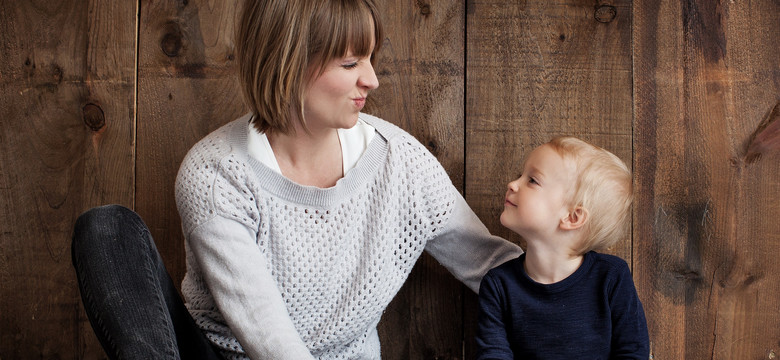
(548, 265)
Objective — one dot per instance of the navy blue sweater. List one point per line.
(594, 313)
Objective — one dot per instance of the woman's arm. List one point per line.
(466, 247)
(220, 222)
(237, 275)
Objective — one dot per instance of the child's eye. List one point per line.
(533, 181)
(351, 65)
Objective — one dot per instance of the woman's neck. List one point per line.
(549, 265)
(311, 159)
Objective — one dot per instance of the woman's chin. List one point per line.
(351, 122)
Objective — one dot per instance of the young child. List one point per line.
(562, 300)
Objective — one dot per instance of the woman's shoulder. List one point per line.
(221, 148)
(213, 170)
(399, 141)
(385, 128)
(226, 138)
(212, 149)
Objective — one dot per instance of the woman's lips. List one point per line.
(507, 202)
(359, 102)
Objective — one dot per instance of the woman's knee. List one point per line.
(103, 226)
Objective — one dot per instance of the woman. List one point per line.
(303, 218)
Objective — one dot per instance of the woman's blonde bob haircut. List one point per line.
(283, 44)
(603, 187)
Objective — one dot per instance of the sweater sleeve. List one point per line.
(629, 328)
(220, 224)
(461, 243)
(466, 248)
(246, 294)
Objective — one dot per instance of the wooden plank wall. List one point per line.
(67, 126)
(706, 234)
(101, 100)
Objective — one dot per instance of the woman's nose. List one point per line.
(368, 77)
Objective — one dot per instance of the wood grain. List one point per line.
(535, 70)
(66, 144)
(705, 232)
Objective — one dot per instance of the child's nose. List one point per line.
(514, 185)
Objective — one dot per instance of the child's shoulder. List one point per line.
(508, 268)
(609, 262)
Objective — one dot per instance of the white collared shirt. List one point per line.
(354, 142)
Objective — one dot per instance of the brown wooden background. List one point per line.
(100, 100)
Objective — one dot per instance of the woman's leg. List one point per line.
(130, 300)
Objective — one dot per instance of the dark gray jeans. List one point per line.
(129, 297)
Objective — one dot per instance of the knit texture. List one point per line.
(271, 263)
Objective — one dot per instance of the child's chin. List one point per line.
(504, 221)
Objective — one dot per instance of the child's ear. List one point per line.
(575, 219)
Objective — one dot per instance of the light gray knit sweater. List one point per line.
(276, 270)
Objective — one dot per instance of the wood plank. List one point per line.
(421, 73)
(66, 144)
(535, 70)
(706, 75)
(186, 89)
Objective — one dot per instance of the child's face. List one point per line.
(536, 202)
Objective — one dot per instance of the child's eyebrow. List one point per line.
(533, 170)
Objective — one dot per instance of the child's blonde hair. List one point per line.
(281, 44)
(603, 187)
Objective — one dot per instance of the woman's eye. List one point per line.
(533, 181)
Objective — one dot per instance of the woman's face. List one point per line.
(334, 99)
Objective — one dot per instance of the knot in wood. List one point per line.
(425, 9)
(171, 42)
(605, 13)
(433, 147)
(29, 67)
(93, 117)
(56, 74)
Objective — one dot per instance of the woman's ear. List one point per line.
(575, 219)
